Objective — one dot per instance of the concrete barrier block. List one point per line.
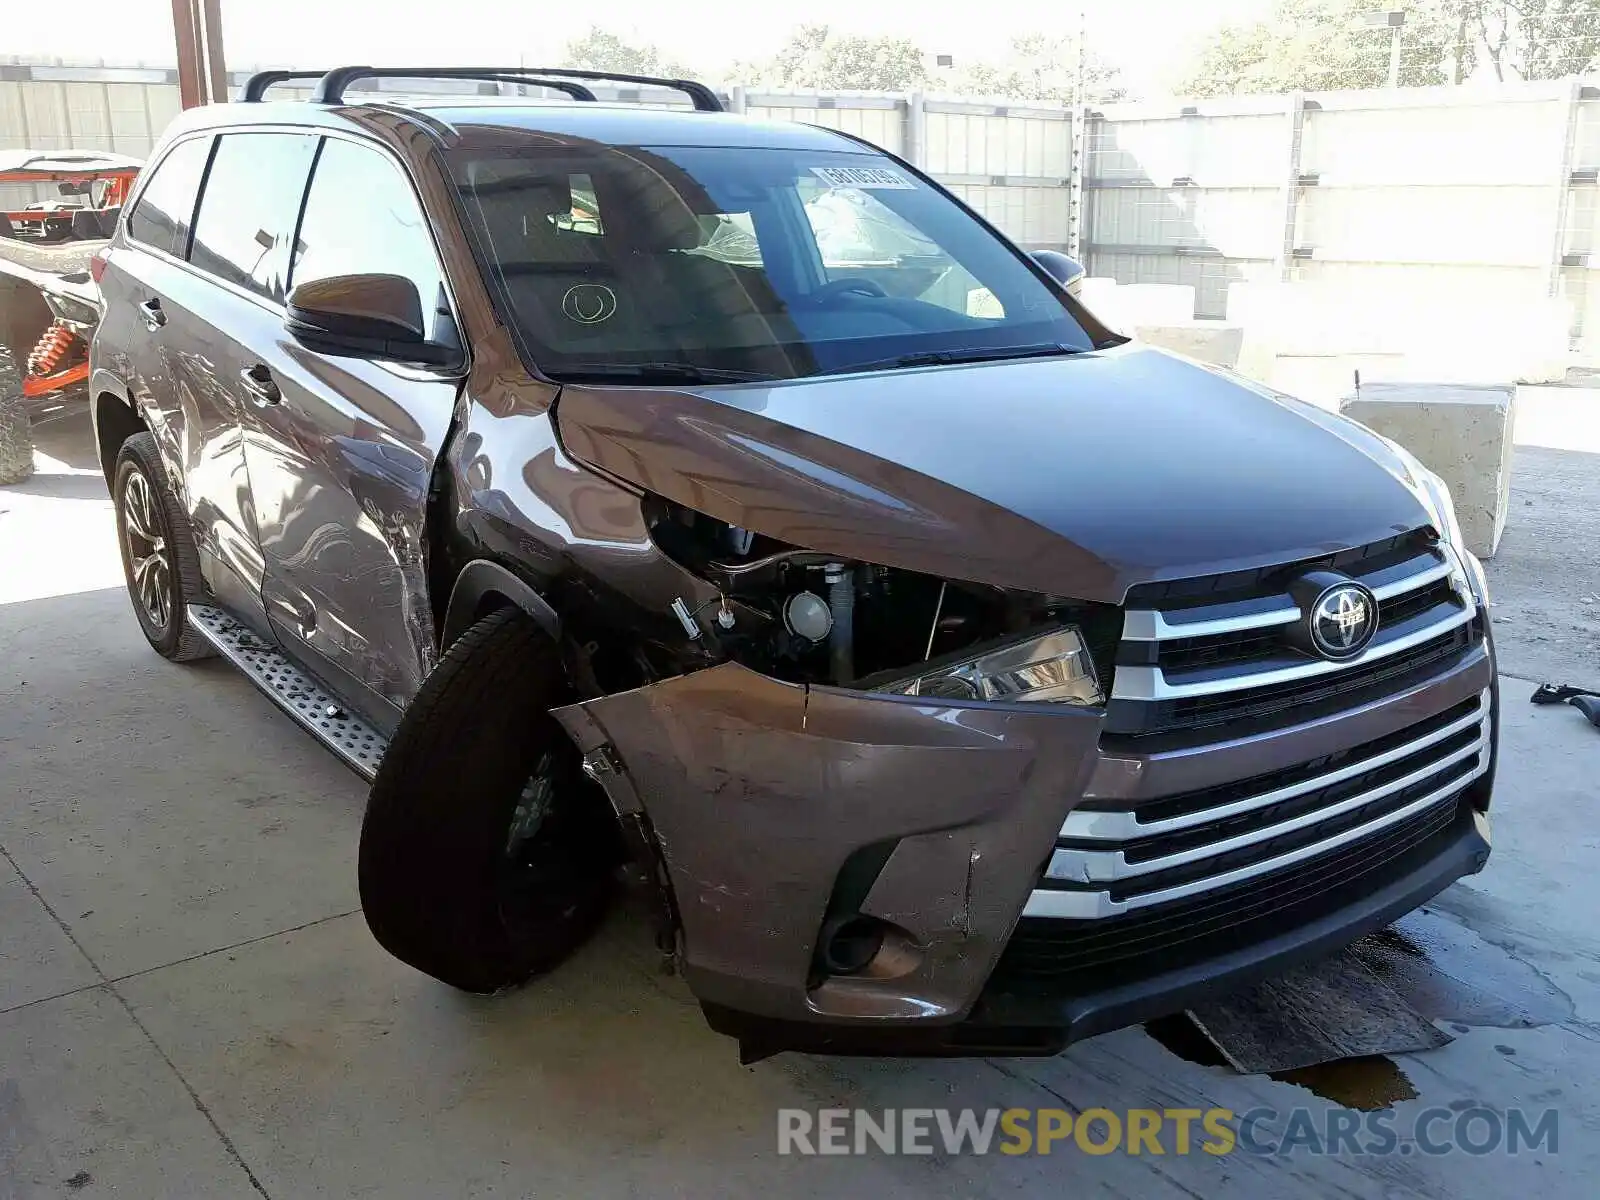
(1209, 341)
(1463, 433)
(1099, 295)
(1153, 304)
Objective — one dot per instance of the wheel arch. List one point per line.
(113, 418)
(483, 585)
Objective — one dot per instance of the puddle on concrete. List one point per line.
(1364, 1083)
(1448, 973)
(1444, 970)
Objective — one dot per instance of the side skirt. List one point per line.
(355, 742)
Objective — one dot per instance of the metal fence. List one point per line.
(1425, 190)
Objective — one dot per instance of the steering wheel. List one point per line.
(853, 285)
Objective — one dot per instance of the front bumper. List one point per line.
(777, 810)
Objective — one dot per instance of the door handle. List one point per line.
(259, 385)
(151, 312)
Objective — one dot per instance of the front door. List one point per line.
(341, 450)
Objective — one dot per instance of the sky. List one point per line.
(1147, 38)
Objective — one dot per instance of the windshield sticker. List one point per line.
(863, 177)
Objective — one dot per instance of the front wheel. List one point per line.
(486, 855)
(159, 559)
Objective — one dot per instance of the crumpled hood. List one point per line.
(1077, 476)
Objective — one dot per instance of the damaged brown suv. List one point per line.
(623, 488)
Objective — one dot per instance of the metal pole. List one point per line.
(197, 33)
(211, 48)
(1078, 131)
(1394, 54)
(190, 84)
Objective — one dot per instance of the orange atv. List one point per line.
(49, 304)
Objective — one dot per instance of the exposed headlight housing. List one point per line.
(1054, 667)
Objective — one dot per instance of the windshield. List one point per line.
(730, 262)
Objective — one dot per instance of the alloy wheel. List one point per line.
(149, 561)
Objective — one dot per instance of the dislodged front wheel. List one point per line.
(486, 855)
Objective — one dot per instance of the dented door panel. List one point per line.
(758, 791)
(340, 470)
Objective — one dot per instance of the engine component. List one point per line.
(807, 615)
(691, 627)
(841, 639)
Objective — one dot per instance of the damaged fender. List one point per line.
(759, 792)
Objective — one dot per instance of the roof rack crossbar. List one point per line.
(258, 83)
(331, 87)
(255, 87)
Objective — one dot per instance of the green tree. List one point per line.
(1324, 45)
(602, 50)
(1040, 67)
(1534, 39)
(816, 57)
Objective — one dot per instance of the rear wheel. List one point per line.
(159, 559)
(486, 855)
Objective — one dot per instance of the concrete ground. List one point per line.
(191, 1005)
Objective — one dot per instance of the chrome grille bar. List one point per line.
(1153, 625)
(1107, 866)
(1126, 826)
(1151, 683)
(1086, 905)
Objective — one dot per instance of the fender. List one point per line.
(103, 382)
(481, 578)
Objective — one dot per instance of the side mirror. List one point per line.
(1068, 272)
(364, 316)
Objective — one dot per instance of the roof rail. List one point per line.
(257, 84)
(331, 88)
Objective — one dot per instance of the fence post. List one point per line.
(914, 133)
(1291, 187)
(736, 99)
(1563, 197)
(1077, 168)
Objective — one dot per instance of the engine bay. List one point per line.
(804, 616)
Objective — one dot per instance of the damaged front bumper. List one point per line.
(787, 819)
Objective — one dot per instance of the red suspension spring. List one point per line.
(53, 347)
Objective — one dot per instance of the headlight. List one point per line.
(1441, 509)
(1053, 667)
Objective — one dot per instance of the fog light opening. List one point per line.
(851, 945)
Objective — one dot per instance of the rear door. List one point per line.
(341, 450)
(152, 337)
(215, 289)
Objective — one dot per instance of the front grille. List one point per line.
(1112, 860)
(1224, 650)
(1056, 953)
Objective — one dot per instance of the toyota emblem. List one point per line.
(1342, 620)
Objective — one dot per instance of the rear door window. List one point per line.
(247, 213)
(165, 210)
(362, 217)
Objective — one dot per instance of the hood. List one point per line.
(1077, 476)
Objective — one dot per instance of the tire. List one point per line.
(159, 559)
(440, 886)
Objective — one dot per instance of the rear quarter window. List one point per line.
(165, 209)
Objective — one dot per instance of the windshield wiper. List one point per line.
(659, 372)
(969, 354)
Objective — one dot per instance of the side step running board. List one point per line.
(303, 698)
